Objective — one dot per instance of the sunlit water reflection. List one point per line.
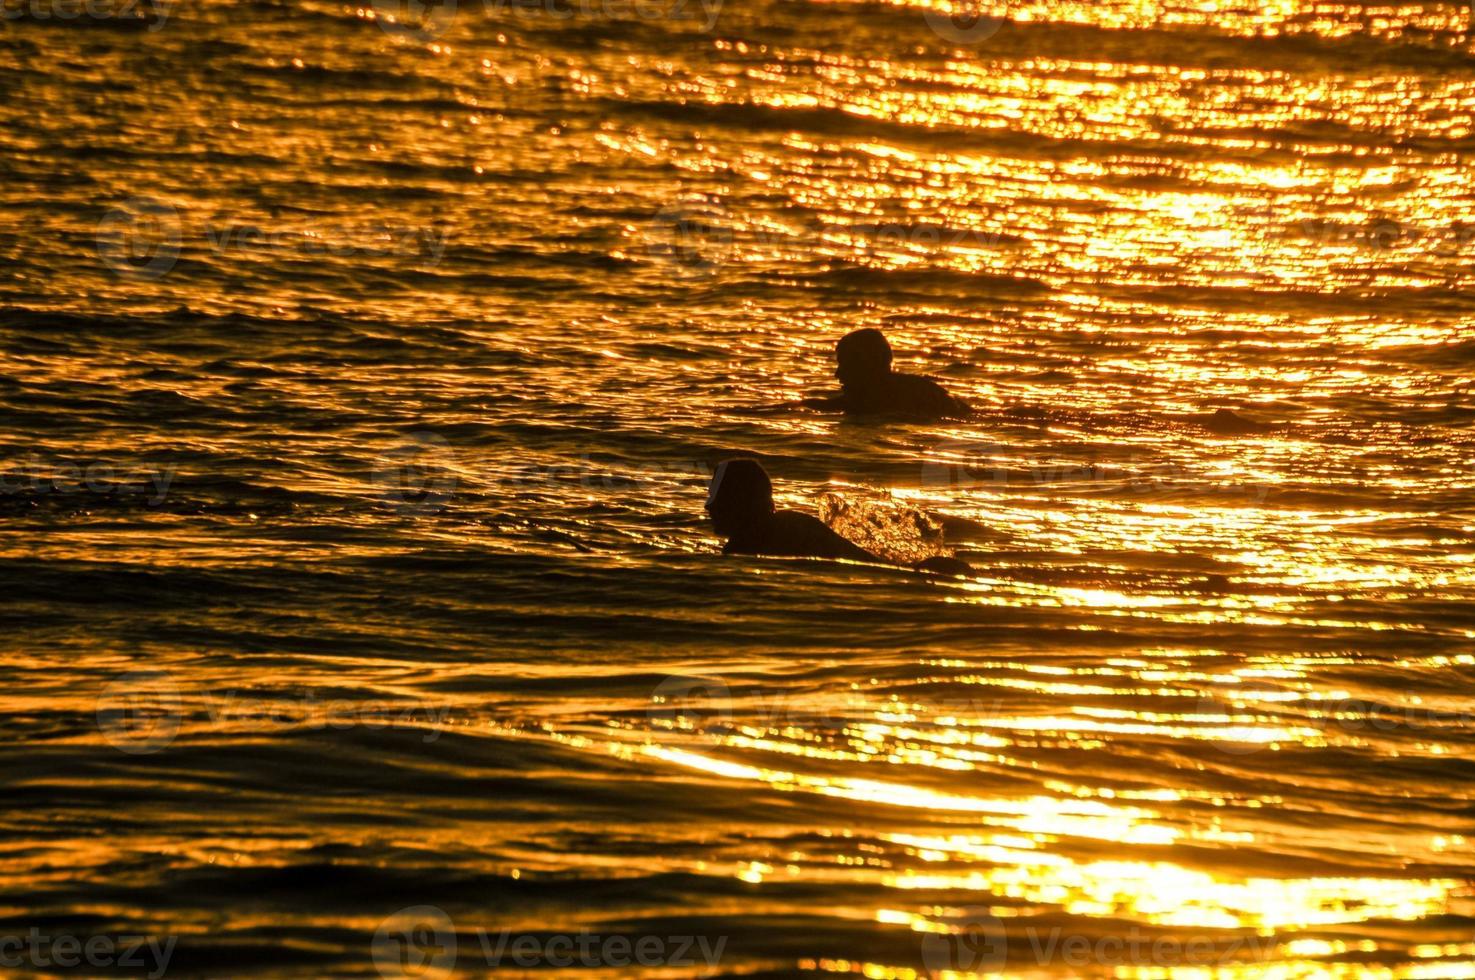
(363, 379)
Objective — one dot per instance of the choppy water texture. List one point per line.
(362, 379)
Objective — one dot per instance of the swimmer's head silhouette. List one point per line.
(868, 386)
(864, 358)
(741, 494)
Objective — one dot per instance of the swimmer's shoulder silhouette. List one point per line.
(740, 503)
(868, 386)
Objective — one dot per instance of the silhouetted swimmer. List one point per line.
(1228, 423)
(868, 386)
(740, 503)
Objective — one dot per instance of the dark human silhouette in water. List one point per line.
(740, 503)
(868, 386)
(1225, 422)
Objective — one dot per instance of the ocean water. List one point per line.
(364, 370)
